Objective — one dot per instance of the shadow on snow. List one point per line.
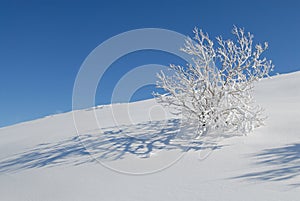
(279, 164)
(109, 144)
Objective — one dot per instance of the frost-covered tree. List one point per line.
(215, 91)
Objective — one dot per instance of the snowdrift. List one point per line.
(141, 152)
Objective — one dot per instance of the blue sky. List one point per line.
(43, 43)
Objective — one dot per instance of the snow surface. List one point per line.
(141, 152)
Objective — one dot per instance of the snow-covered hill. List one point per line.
(141, 152)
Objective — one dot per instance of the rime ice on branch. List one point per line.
(215, 91)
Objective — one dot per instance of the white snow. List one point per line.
(141, 155)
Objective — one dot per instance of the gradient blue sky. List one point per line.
(44, 42)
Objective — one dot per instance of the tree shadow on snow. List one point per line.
(278, 164)
(114, 143)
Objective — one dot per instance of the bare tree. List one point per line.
(215, 91)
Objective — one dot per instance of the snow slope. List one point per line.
(141, 152)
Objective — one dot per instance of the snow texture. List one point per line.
(150, 156)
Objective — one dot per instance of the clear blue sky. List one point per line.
(44, 42)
